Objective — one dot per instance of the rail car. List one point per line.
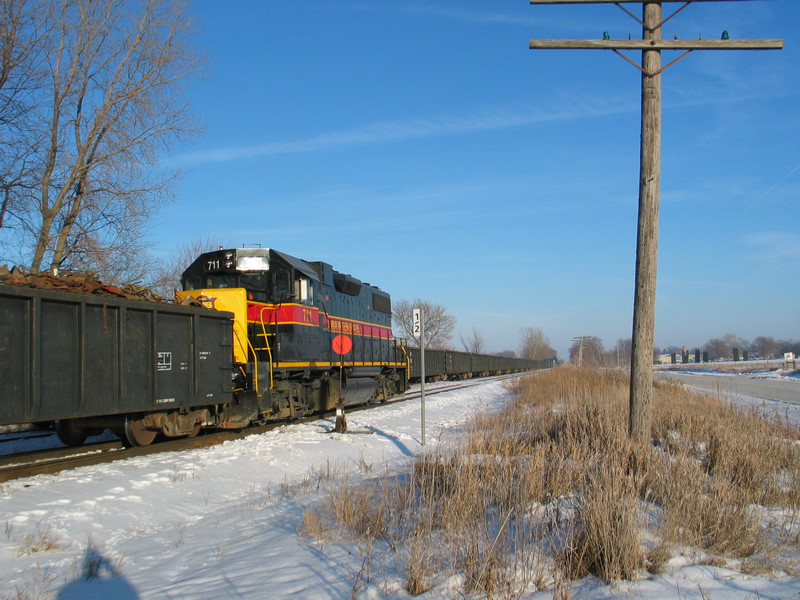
(89, 363)
(452, 364)
(266, 336)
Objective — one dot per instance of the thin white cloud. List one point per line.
(774, 246)
(773, 187)
(468, 16)
(453, 13)
(414, 128)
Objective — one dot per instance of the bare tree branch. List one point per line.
(167, 278)
(439, 324)
(536, 345)
(474, 342)
(115, 72)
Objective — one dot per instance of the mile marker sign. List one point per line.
(418, 329)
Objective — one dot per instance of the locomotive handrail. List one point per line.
(266, 342)
(408, 360)
(255, 367)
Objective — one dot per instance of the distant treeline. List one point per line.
(590, 351)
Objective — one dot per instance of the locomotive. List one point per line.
(304, 335)
(255, 335)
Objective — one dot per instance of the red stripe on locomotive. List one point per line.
(296, 314)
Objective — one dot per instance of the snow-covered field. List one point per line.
(222, 522)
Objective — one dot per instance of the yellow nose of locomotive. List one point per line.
(228, 299)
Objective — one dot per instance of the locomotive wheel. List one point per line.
(136, 434)
(69, 432)
(195, 430)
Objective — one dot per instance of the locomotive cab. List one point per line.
(266, 275)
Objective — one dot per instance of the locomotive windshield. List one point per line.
(259, 285)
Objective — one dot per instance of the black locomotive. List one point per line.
(285, 338)
(304, 335)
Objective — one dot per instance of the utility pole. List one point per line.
(651, 45)
(580, 341)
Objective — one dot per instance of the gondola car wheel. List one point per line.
(70, 433)
(136, 434)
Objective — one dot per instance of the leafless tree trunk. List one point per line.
(112, 101)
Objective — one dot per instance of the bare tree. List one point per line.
(536, 345)
(622, 352)
(789, 346)
(474, 342)
(167, 276)
(737, 344)
(439, 324)
(718, 349)
(766, 347)
(114, 72)
(587, 351)
(20, 78)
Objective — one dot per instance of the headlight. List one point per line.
(252, 263)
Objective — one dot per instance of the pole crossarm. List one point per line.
(684, 45)
(624, 1)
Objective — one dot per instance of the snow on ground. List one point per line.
(222, 522)
(779, 374)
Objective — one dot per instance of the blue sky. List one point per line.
(421, 146)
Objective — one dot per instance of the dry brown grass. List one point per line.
(552, 488)
(41, 539)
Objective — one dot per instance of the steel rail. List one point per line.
(52, 461)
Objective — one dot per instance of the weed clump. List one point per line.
(552, 489)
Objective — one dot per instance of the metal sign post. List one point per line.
(419, 332)
(341, 345)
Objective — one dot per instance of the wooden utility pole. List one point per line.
(644, 296)
(580, 341)
(644, 302)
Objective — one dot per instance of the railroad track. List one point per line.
(51, 461)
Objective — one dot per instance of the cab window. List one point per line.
(303, 291)
(256, 285)
(220, 281)
(282, 284)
